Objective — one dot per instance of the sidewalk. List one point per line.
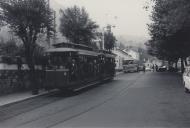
(18, 97)
(117, 73)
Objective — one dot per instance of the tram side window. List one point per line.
(56, 62)
(50, 63)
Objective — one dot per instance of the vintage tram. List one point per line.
(74, 67)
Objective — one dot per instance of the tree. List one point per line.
(27, 19)
(109, 40)
(170, 30)
(9, 48)
(9, 51)
(76, 26)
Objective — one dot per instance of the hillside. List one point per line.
(129, 40)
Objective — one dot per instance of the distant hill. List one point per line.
(129, 40)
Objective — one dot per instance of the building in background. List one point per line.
(120, 56)
(134, 54)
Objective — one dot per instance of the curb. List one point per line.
(39, 95)
(29, 98)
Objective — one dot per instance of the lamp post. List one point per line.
(48, 35)
(54, 24)
(103, 38)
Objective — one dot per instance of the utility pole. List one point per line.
(54, 39)
(108, 30)
(48, 3)
(103, 38)
(48, 34)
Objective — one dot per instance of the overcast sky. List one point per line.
(128, 16)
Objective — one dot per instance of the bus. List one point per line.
(130, 66)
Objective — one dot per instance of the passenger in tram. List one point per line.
(91, 68)
(73, 70)
(68, 66)
(102, 63)
(85, 68)
(81, 72)
(63, 63)
(50, 63)
(19, 63)
(95, 67)
(59, 62)
(98, 67)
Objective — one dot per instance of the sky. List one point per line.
(128, 16)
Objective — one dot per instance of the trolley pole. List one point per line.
(103, 38)
(48, 34)
(103, 41)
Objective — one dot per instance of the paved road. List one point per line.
(131, 100)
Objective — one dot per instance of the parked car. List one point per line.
(130, 66)
(141, 67)
(148, 69)
(162, 68)
(186, 79)
(172, 69)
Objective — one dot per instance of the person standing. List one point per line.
(153, 68)
(144, 68)
(19, 63)
(156, 67)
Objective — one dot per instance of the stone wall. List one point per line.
(12, 80)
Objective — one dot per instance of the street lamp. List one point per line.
(103, 38)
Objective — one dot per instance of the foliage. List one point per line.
(170, 29)
(9, 48)
(109, 41)
(27, 19)
(39, 55)
(120, 45)
(76, 26)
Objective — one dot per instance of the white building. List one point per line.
(120, 56)
(134, 54)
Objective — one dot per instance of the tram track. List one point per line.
(72, 107)
(98, 105)
(92, 106)
(8, 111)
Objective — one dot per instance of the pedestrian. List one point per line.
(156, 67)
(19, 63)
(144, 68)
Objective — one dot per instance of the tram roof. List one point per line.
(72, 45)
(110, 55)
(79, 51)
(88, 53)
(107, 54)
(61, 50)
